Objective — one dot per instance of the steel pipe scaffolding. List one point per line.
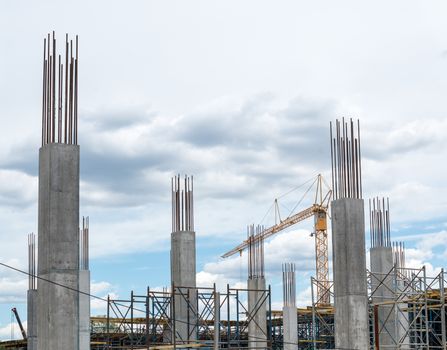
(346, 160)
(182, 204)
(60, 93)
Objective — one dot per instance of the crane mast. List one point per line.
(318, 210)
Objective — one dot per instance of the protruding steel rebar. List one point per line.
(32, 279)
(346, 160)
(84, 244)
(399, 254)
(289, 284)
(182, 204)
(379, 222)
(54, 127)
(255, 251)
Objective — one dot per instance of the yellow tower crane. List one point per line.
(319, 210)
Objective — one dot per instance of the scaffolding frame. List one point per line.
(147, 321)
(322, 322)
(416, 303)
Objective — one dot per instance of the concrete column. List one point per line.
(382, 264)
(401, 311)
(351, 301)
(31, 330)
(84, 310)
(183, 274)
(289, 312)
(290, 327)
(257, 327)
(58, 248)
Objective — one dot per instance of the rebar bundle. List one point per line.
(60, 93)
(84, 244)
(289, 284)
(346, 160)
(182, 204)
(32, 280)
(399, 254)
(379, 221)
(255, 252)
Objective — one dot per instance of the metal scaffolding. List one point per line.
(147, 321)
(416, 303)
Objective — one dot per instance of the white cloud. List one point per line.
(190, 102)
(13, 285)
(11, 329)
(101, 289)
(17, 188)
(293, 246)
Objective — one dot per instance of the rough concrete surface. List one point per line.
(183, 274)
(349, 264)
(58, 248)
(257, 328)
(381, 264)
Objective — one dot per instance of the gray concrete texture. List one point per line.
(381, 259)
(183, 274)
(349, 264)
(31, 331)
(257, 308)
(58, 248)
(290, 327)
(84, 310)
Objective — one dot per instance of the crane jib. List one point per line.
(292, 220)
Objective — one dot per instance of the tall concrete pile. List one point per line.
(402, 281)
(289, 311)
(381, 258)
(32, 295)
(257, 294)
(348, 240)
(58, 217)
(84, 287)
(183, 261)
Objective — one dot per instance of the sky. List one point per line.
(238, 94)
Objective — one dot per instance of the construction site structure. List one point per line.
(348, 239)
(257, 325)
(289, 311)
(31, 297)
(84, 286)
(381, 262)
(58, 217)
(183, 259)
(147, 320)
(318, 210)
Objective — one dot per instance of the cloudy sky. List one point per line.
(240, 95)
